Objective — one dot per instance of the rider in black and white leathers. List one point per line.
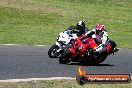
(72, 33)
(80, 29)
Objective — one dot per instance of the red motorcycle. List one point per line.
(82, 51)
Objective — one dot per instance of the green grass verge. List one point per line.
(60, 84)
(40, 21)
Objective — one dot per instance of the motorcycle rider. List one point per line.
(100, 35)
(80, 29)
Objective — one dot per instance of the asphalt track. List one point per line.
(21, 61)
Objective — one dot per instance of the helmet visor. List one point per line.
(99, 32)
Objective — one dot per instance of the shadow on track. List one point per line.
(79, 64)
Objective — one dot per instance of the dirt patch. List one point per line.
(28, 6)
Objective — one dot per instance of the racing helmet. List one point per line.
(99, 28)
(81, 25)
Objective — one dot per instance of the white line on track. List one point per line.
(9, 44)
(40, 45)
(20, 45)
(37, 79)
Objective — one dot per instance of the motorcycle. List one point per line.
(61, 45)
(82, 51)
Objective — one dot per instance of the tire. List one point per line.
(81, 80)
(113, 44)
(93, 63)
(64, 58)
(94, 60)
(52, 51)
(98, 60)
(105, 56)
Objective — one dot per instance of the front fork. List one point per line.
(60, 47)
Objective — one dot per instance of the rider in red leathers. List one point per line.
(101, 37)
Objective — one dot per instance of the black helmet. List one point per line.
(81, 25)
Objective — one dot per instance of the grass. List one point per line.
(60, 84)
(40, 21)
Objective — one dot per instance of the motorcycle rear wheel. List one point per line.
(64, 58)
(98, 60)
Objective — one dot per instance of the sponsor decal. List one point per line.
(83, 78)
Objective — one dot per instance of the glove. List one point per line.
(90, 34)
(103, 50)
(95, 52)
(92, 51)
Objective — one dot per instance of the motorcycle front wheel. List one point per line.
(53, 51)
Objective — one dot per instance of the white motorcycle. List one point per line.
(61, 45)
